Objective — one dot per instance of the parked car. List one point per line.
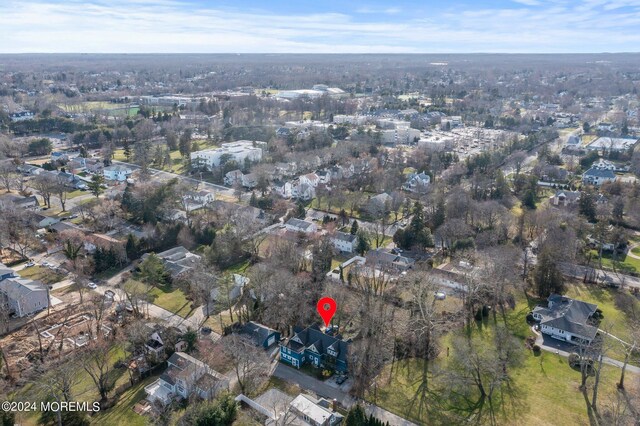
(92, 285)
(30, 264)
(109, 294)
(341, 379)
(46, 264)
(205, 330)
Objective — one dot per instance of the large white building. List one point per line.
(400, 136)
(238, 151)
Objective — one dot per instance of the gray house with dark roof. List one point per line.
(259, 334)
(567, 319)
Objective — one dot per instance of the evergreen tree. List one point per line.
(354, 227)
(364, 244)
(587, 206)
(132, 247)
(95, 186)
(546, 276)
(253, 201)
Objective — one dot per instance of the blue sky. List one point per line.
(328, 26)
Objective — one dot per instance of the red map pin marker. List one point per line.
(327, 309)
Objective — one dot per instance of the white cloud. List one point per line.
(163, 26)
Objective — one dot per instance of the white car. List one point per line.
(30, 264)
(92, 285)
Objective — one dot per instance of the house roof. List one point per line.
(312, 409)
(299, 223)
(321, 341)
(257, 332)
(20, 288)
(568, 195)
(568, 314)
(594, 172)
(343, 236)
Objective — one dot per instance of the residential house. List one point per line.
(259, 334)
(177, 260)
(235, 291)
(603, 164)
(597, 177)
(184, 377)
(154, 346)
(312, 346)
(315, 412)
(7, 272)
(24, 296)
(21, 202)
(417, 182)
(282, 188)
(567, 319)
(303, 191)
(299, 225)
(117, 172)
(384, 259)
(28, 169)
(194, 200)
(565, 198)
(81, 164)
(233, 177)
(250, 180)
(310, 179)
(344, 242)
(612, 144)
(71, 180)
(324, 176)
(378, 204)
(63, 156)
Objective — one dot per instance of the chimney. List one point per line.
(334, 405)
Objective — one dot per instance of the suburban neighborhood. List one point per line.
(170, 226)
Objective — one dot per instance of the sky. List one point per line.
(319, 26)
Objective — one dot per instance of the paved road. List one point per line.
(579, 272)
(155, 311)
(169, 175)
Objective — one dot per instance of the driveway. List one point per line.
(309, 383)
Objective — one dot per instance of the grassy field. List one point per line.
(623, 263)
(122, 413)
(541, 381)
(636, 251)
(40, 273)
(615, 321)
(83, 390)
(171, 299)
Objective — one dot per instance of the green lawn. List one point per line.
(122, 413)
(84, 390)
(171, 299)
(615, 321)
(623, 263)
(636, 251)
(40, 273)
(76, 193)
(541, 381)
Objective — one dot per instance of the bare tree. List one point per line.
(250, 363)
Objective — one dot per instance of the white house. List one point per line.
(417, 182)
(603, 164)
(344, 242)
(283, 189)
(298, 225)
(186, 376)
(23, 296)
(233, 177)
(597, 177)
(194, 200)
(315, 412)
(567, 319)
(238, 151)
(310, 179)
(118, 172)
